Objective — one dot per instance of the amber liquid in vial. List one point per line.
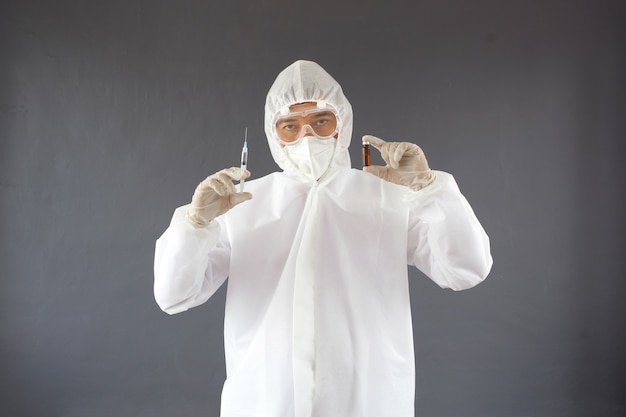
(366, 154)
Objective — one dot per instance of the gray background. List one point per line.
(111, 112)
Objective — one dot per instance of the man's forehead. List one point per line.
(298, 107)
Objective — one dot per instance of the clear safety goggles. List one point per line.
(321, 121)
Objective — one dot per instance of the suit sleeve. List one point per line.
(445, 239)
(190, 264)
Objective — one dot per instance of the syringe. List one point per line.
(244, 158)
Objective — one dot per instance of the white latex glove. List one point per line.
(406, 163)
(216, 195)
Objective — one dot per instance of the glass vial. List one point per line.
(366, 154)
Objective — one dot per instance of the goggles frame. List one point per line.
(321, 106)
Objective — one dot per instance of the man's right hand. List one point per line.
(216, 195)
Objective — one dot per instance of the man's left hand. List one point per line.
(406, 163)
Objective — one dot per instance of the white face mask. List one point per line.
(311, 155)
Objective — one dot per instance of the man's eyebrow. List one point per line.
(315, 116)
(287, 120)
(323, 114)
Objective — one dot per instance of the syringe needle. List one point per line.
(244, 158)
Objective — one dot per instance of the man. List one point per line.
(317, 319)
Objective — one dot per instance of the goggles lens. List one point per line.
(295, 125)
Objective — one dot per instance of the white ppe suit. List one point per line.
(317, 319)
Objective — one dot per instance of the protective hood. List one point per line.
(306, 81)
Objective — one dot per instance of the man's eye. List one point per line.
(322, 122)
(289, 127)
